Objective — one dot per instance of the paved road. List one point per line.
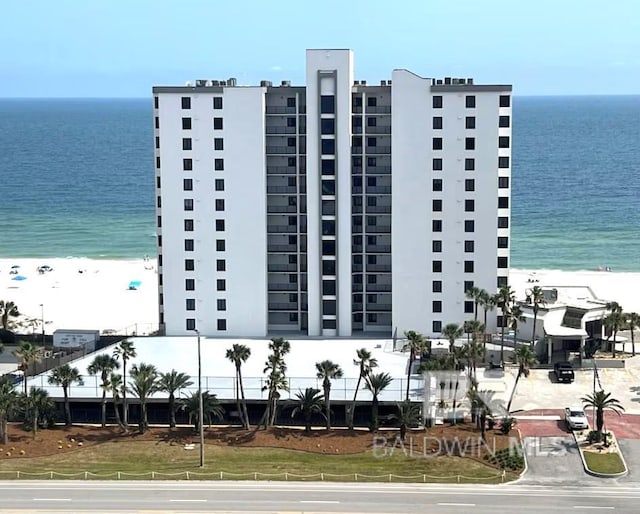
(307, 498)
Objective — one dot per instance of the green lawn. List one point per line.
(244, 463)
(609, 463)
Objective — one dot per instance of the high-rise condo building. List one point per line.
(336, 208)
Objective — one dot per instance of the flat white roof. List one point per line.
(180, 353)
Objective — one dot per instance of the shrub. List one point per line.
(506, 458)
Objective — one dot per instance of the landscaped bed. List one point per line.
(429, 456)
(604, 463)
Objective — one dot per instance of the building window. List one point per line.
(503, 242)
(221, 284)
(470, 122)
(327, 126)
(436, 306)
(503, 162)
(371, 121)
(469, 205)
(437, 122)
(505, 101)
(469, 225)
(159, 202)
(437, 164)
(328, 187)
(219, 204)
(469, 307)
(157, 122)
(469, 164)
(372, 101)
(327, 104)
(190, 284)
(186, 143)
(503, 182)
(372, 141)
(328, 287)
(190, 304)
(436, 102)
(218, 164)
(436, 225)
(328, 167)
(436, 246)
(469, 143)
(159, 221)
(188, 204)
(469, 246)
(158, 182)
(217, 123)
(291, 101)
(217, 102)
(218, 143)
(222, 325)
(503, 142)
(503, 262)
(191, 324)
(468, 284)
(189, 265)
(329, 323)
(157, 142)
(156, 102)
(436, 184)
(436, 266)
(328, 247)
(503, 121)
(220, 245)
(328, 146)
(437, 143)
(329, 307)
(436, 327)
(503, 202)
(188, 245)
(187, 164)
(328, 207)
(186, 102)
(186, 123)
(219, 225)
(501, 282)
(470, 101)
(468, 266)
(291, 122)
(219, 184)
(158, 162)
(328, 227)
(188, 225)
(503, 222)
(469, 185)
(436, 286)
(221, 265)
(436, 205)
(328, 267)
(221, 305)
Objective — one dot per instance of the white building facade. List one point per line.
(335, 209)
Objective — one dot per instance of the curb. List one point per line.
(595, 473)
(524, 457)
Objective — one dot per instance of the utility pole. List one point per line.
(200, 406)
(42, 321)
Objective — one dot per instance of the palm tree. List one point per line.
(309, 403)
(8, 310)
(473, 350)
(486, 406)
(35, 403)
(375, 383)
(504, 299)
(602, 401)
(416, 344)
(516, 317)
(452, 331)
(103, 364)
(328, 371)
(115, 384)
(239, 354)
(474, 293)
(366, 363)
(407, 415)
(614, 322)
(64, 376)
(633, 321)
(525, 358)
(211, 408)
(144, 383)
(28, 354)
(170, 383)
(125, 350)
(488, 303)
(276, 378)
(537, 300)
(9, 401)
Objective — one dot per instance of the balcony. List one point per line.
(280, 129)
(378, 288)
(282, 248)
(282, 229)
(373, 150)
(281, 266)
(279, 209)
(288, 306)
(378, 209)
(281, 150)
(378, 268)
(379, 109)
(280, 109)
(373, 190)
(378, 248)
(356, 170)
(379, 307)
(378, 170)
(282, 286)
(382, 129)
(281, 170)
(282, 189)
(356, 150)
(356, 130)
(378, 229)
(356, 268)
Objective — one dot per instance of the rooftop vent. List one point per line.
(439, 82)
(285, 83)
(215, 82)
(363, 82)
(223, 83)
(232, 82)
(356, 82)
(265, 83)
(201, 82)
(447, 80)
(383, 82)
(470, 81)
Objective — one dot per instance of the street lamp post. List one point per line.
(42, 320)
(200, 407)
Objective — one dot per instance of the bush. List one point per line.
(507, 458)
(594, 437)
(507, 423)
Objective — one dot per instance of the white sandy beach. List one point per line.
(99, 298)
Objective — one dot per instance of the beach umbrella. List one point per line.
(19, 277)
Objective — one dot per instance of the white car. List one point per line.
(576, 418)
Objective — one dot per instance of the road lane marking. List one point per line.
(456, 504)
(188, 500)
(592, 507)
(51, 499)
(319, 501)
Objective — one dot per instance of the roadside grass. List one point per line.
(146, 456)
(609, 463)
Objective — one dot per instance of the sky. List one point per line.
(121, 48)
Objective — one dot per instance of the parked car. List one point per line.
(564, 372)
(576, 418)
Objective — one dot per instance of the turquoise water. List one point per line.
(76, 179)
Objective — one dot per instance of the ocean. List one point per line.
(76, 179)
